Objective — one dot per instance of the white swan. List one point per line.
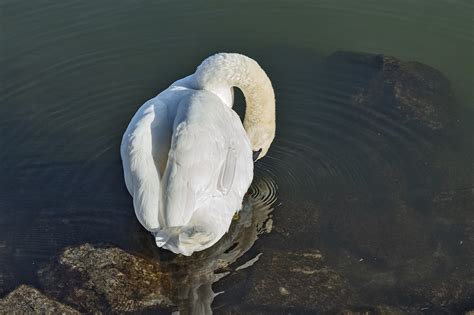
(187, 158)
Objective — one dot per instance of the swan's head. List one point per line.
(222, 71)
(261, 137)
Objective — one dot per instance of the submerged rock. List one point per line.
(411, 92)
(106, 279)
(28, 300)
(376, 256)
(296, 281)
(403, 257)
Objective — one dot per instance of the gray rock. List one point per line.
(399, 254)
(376, 257)
(297, 280)
(406, 240)
(451, 283)
(106, 279)
(28, 300)
(411, 91)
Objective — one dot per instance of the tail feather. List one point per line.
(183, 239)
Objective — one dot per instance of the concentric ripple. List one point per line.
(328, 142)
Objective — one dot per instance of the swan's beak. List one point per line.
(256, 154)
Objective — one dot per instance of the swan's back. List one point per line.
(187, 163)
(209, 158)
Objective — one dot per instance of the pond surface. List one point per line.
(387, 203)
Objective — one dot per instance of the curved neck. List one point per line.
(222, 71)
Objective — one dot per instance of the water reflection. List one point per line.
(194, 276)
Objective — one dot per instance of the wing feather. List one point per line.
(203, 157)
(227, 172)
(146, 132)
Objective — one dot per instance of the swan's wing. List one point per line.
(208, 141)
(227, 171)
(146, 132)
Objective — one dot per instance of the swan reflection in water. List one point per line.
(193, 276)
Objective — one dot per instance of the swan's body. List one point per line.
(188, 159)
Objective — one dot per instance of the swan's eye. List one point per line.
(256, 154)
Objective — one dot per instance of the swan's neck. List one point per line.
(220, 72)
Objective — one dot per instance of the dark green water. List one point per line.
(74, 72)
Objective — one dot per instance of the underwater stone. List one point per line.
(411, 92)
(424, 259)
(28, 300)
(106, 279)
(297, 280)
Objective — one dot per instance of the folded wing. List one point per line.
(144, 152)
(208, 145)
